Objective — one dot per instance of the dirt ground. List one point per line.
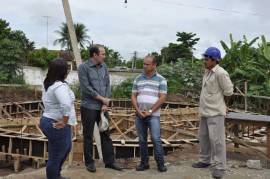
(178, 163)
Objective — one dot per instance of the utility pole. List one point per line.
(72, 34)
(47, 17)
(134, 60)
(74, 44)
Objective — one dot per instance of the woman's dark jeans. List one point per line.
(59, 145)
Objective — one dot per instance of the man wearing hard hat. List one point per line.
(214, 100)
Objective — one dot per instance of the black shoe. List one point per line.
(61, 177)
(200, 165)
(91, 167)
(217, 173)
(114, 166)
(142, 167)
(162, 168)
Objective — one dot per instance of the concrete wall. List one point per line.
(35, 76)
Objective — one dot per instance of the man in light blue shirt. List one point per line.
(148, 94)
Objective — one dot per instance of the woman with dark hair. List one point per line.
(59, 114)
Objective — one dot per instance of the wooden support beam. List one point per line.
(258, 152)
(39, 130)
(23, 129)
(173, 136)
(6, 113)
(132, 127)
(188, 133)
(23, 110)
(188, 121)
(166, 142)
(16, 163)
(70, 156)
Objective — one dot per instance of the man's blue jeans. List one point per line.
(142, 125)
(59, 145)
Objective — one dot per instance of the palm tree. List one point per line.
(80, 31)
(116, 57)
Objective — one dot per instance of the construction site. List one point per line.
(24, 146)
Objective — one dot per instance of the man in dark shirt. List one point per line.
(95, 97)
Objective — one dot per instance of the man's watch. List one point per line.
(150, 111)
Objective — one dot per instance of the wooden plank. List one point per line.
(132, 127)
(241, 150)
(6, 113)
(39, 130)
(260, 153)
(185, 132)
(70, 156)
(23, 110)
(23, 129)
(173, 136)
(188, 121)
(116, 126)
(166, 142)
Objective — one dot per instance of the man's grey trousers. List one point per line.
(212, 141)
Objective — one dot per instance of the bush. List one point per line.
(124, 89)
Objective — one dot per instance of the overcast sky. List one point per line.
(145, 25)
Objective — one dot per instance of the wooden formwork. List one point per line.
(20, 110)
(19, 130)
(18, 144)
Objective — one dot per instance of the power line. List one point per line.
(209, 8)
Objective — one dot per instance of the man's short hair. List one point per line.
(154, 60)
(94, 49)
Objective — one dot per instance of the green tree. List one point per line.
(85, 54)
(175, 51)
(14, 48)
(41, 57)
(158, 58)
(187, 39)
(113, 58)
(116, 57)
(183, 76)
(5, 30)
(11, 55)
(246, 63)
(81, 34)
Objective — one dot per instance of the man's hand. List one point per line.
(141, 114)
(227, 109)
(59, 124)
(104, 108)
(147, 113)
(106, 101)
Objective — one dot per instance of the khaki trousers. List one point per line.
(212, 141)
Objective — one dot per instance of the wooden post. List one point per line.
(236, 132)
(70, 156)
(16, 163)
(268, 143)
(36, 163)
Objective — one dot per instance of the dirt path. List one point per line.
(179, 167)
